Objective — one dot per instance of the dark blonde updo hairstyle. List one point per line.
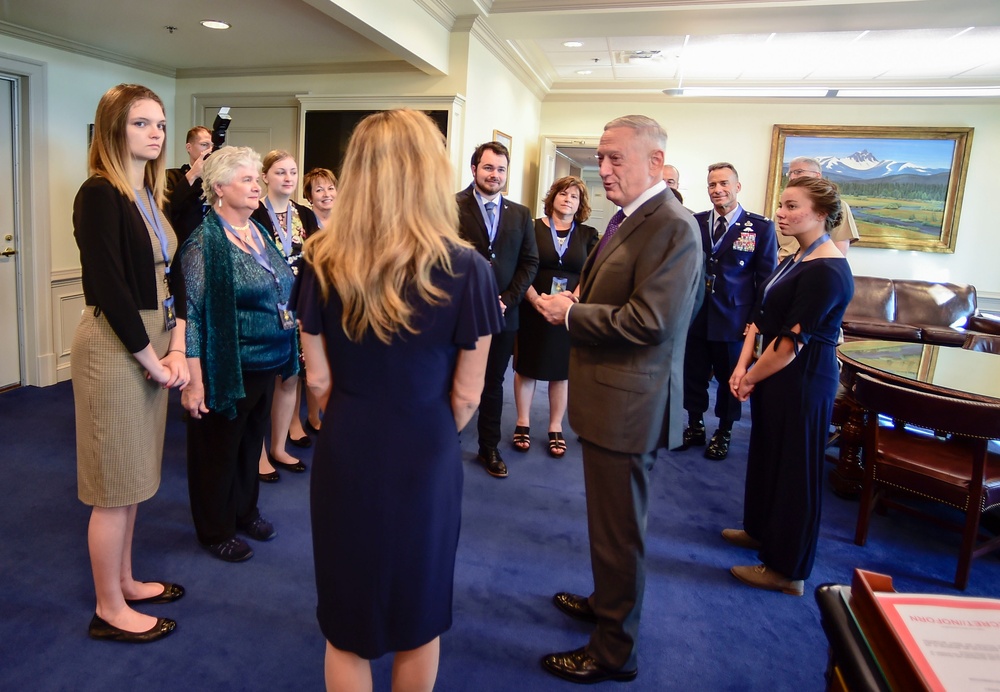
(312, 176)
(825, 198)
(273, 157)
(583, 212)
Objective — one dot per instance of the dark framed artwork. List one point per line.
(904, 184)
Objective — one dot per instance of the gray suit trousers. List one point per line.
(617, 504)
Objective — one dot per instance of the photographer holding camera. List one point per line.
(184, 203)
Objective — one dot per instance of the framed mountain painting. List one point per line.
(904, 184)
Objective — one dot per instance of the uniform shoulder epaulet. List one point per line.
(758, 217)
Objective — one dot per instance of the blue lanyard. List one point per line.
(259, 256)
(153, 220)
(790, 264)
(286, 236)
(560, 247)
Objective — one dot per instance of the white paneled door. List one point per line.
(10, 333)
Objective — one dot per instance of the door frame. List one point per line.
(31, 179)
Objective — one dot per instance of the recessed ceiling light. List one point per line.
(585, 72)
(214, 24)
(572, 44)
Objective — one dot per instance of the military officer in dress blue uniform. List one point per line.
(741, 251)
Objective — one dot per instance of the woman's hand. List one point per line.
(176, 364)
(159, 374)
(734, 379)
(743, 389)
(193, 399)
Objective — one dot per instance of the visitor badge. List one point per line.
(169, 316)
(286, 316)
(558, 285)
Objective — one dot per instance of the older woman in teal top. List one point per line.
(241, 334)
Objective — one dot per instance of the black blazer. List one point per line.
(116, 258)
(183, 203)
(516, 261)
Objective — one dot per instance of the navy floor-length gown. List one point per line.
(386, 488)
(791, 414)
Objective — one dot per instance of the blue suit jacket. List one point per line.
(742, 263)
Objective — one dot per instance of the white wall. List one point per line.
(73, 86)
(702, 133)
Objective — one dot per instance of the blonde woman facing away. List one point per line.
(397, 314)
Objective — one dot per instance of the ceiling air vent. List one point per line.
(636, 57)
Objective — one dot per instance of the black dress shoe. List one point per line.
(171, 592)
(718, 448)
(260, 529)
(100, 629)
(694, 436)
(493, 462)
(575, 606)
(579, 666)
(302, 442)
(297, 467)
(310, 428)
(272, 477)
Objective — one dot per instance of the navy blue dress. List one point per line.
(791, 414)
(386, 492)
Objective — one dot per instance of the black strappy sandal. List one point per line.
(522, 438)
(557, 445)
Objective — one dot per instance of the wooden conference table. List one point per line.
(943, 370)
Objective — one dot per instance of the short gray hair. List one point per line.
(643, 126)
(807, 160)
(221, 166)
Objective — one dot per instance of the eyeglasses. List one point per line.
(794, 173)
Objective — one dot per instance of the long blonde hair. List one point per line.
(109, 152)
(394, 222)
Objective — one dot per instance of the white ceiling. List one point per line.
(830, 43)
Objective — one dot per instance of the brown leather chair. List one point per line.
(987, 343)
(953, 467)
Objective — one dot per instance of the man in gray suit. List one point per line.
(638, 291)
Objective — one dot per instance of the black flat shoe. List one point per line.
(171, 592)
(580, 667)
(272, 477)
(310, 428)
(718, 448)
(100, 629)
(297, 467)
(575, 606)
(302, 442)
(493, 462)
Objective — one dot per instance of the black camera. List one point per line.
(219, 128)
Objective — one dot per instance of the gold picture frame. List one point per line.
(508, 141)
(904, 184)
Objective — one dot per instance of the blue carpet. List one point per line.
(251, 626)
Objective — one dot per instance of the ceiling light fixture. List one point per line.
(585, 72)
(214, 24)
(921, 92)
(750, 92)
(573, 44)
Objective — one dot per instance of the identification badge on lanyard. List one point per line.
(169, 316)
(558, 285)
(758, 345)
(286, 316)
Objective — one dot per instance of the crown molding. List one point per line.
(43, 39)
(505, 53)
(369, 67)
(439, 11)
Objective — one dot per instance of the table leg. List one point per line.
(847, 478)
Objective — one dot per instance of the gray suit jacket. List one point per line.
(626, 370)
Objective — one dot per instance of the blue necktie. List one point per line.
(613, 225)
(490, 206)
